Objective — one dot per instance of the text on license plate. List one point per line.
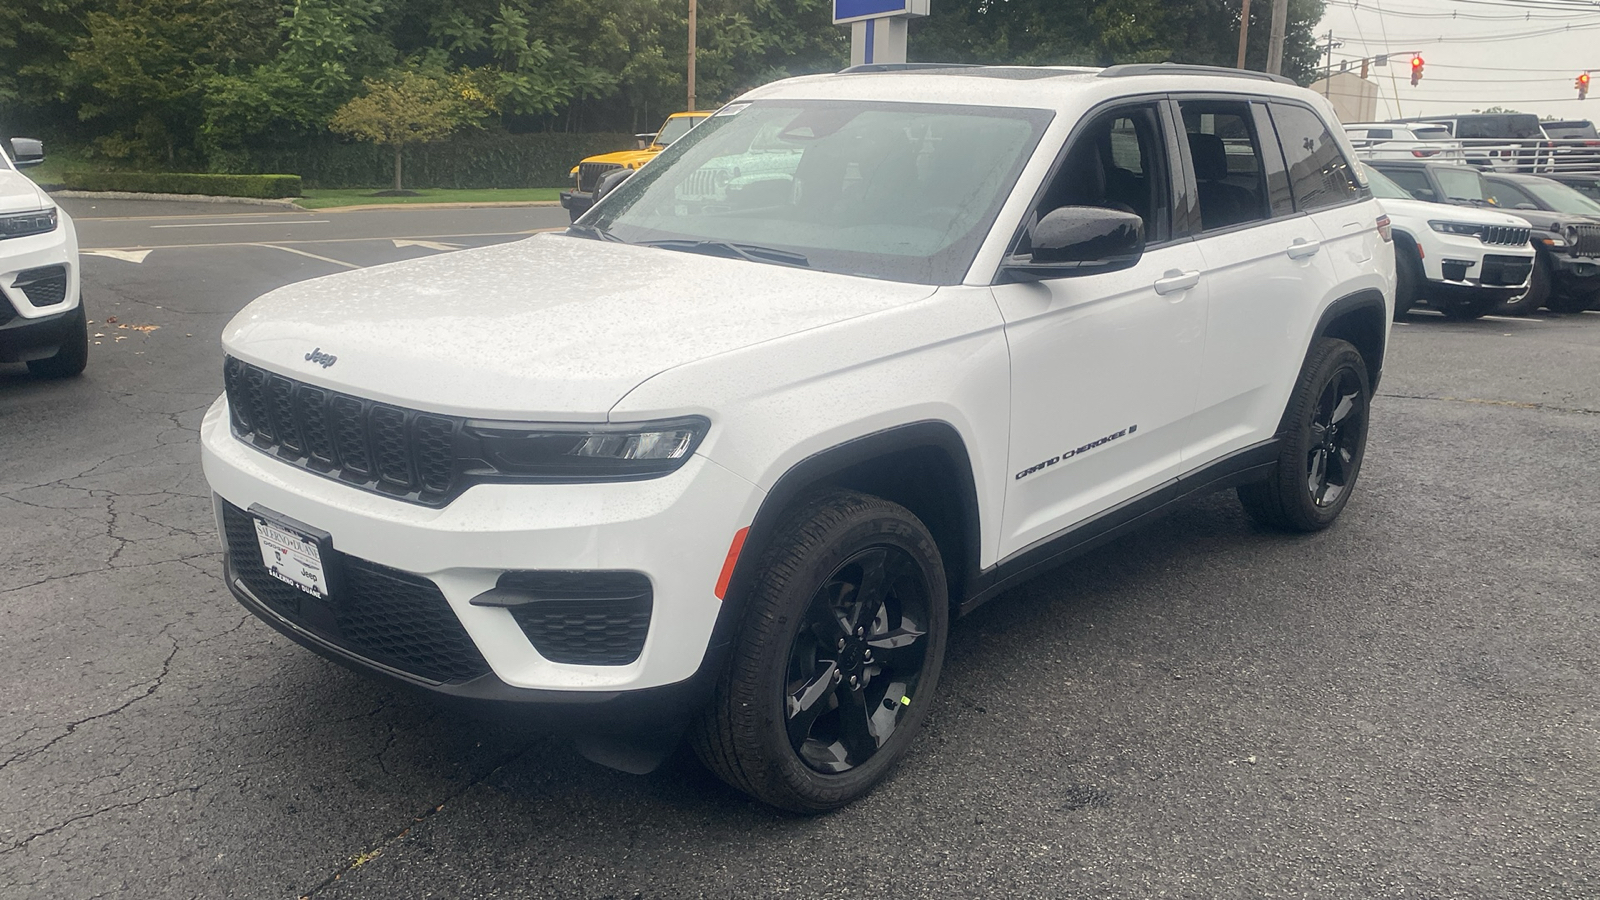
(292, 558)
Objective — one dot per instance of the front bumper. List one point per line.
(28, 330)
(675, 530)
(578, 202)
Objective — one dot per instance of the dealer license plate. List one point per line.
(292, 558)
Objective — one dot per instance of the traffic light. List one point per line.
(1582, 84)
(1416, 70)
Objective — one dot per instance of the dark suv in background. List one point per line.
(1499, 142)
(1566, 273)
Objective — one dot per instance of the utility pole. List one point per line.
(1280, 24)
(1244, 32)
(1327, 71)
(693, 28)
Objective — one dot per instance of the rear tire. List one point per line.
(1537, 293)
(73, 355)
(837, 659)
(1324, 441)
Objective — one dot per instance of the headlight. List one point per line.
(1462, 228)
(28, 223)
(596, 453)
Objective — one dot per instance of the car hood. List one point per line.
(553, 327)
(1445, 212)
(19, 194)
(625, 157)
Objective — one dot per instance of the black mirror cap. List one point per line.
(25, 152)
(609, 182)
(1081, 240)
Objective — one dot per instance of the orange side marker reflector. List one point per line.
(730, 562)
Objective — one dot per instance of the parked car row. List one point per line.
(1468, 243)
(1494, 142)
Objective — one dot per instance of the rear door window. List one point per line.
(1225, 151)
(1319, 174)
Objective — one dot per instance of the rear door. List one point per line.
(1266, 267)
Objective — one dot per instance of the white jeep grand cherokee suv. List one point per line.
(41, 319)
(730, 455)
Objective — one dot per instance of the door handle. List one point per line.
(1302, 248)
(1173, 281)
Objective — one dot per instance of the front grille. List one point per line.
(45, 286)
(1588, 243)
(583, 618)
(1505, 235)
(400, 452)
(589, 174)
(385, 615)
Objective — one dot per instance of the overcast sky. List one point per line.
(1491, 53)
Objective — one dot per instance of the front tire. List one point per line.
(1409, 277)
(73, 355)
(1571, 302)
(837, 658)
(1324, 441)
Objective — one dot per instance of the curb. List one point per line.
(192, 198)
(463, 205)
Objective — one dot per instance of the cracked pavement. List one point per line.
(1402, 706)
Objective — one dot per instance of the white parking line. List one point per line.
(228, 224)
(326, 259)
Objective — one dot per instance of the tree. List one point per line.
(410, 107)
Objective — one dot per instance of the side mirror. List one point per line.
(26, 152)
(1080, 240)
(609, 182)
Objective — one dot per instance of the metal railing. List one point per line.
(1528, 156)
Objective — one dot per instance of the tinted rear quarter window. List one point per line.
(1319, 174)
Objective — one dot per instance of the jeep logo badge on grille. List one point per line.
(322, 359)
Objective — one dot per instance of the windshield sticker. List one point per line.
(1078, 451)
(732, 109)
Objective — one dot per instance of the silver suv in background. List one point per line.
(1498, 142)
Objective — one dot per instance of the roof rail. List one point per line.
(1181, 69)
(905, 67)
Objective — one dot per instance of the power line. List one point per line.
(1356, 6)
(1488, 38)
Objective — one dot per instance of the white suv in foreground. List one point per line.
(728, 456)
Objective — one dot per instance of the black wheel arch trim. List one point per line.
(1367, 298)
(816, 470)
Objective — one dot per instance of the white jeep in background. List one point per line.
(42, 322)
(730, 469)
(1463, 261)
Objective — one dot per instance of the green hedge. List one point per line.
(470, 160)
(266, 187)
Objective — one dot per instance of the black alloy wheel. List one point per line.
(857, 659)
(837, 656)
(1338, 433)
(1322, 442)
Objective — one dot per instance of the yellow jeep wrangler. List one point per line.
(586, 175)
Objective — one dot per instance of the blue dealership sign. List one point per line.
(855, 10)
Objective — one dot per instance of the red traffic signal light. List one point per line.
(1416, 70)
(1582, 84)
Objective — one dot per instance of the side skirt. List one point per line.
(1252, 463)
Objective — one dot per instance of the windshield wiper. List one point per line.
(750, 252)
(594, 233)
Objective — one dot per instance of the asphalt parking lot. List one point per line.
(1403, 706)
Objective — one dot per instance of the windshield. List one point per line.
(900, 191)
(1382, 187)
(1562, 198)
(1525, 125)
(1461, 184)
(676, 128)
